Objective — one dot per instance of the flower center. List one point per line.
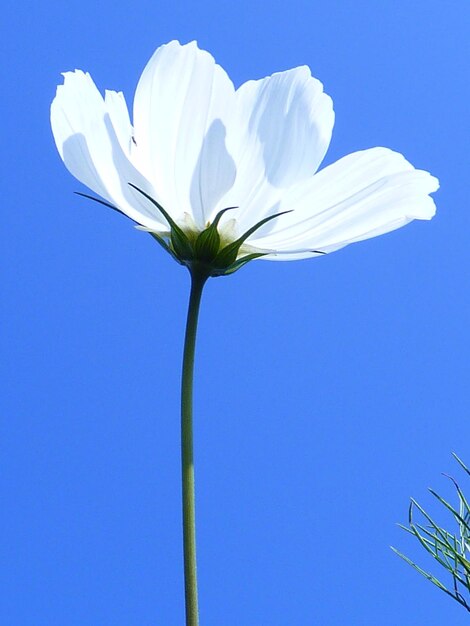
(214, 251)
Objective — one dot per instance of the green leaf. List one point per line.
(448, 549)
(450, 508)
(462, 464)
(427, 575)
(463, 500)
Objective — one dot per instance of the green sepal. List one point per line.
(164, 245)
(179, 240)
(216, 221)
(103, 202)
(181, 244)
(228, 255)
(207, 244)
(208, 241)
(165, 213)
(243, 261)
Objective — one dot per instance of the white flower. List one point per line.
(197, 146)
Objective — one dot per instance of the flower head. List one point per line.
(219, 175)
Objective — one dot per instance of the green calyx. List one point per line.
(206, 252)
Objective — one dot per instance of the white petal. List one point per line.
(91, 146)
(182, 101)
(365, 194)
(279, 136)
(119, 115)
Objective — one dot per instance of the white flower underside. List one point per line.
(197, 146)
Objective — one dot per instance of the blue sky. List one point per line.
(328, 391)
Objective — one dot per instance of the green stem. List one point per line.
(198, 280)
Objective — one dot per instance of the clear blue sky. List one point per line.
(328, 391)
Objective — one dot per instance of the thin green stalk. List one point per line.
(198, 280)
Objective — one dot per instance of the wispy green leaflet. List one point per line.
(450, 549)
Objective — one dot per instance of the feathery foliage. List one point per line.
(450, 549)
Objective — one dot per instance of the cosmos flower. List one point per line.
(233, 169)
(221, 176)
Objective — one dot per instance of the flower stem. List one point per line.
(198, 280)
